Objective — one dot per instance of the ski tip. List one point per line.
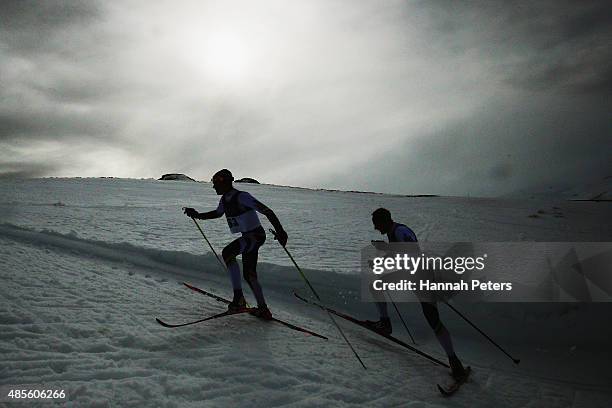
(445, 392)
(517, 361)
(161, 322)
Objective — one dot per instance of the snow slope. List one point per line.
(80, 292)
(596, 190)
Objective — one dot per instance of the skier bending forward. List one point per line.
(381, 218)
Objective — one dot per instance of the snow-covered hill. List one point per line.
(596, 190)
(82, 283)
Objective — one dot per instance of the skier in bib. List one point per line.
(381, 218)
(240, 209)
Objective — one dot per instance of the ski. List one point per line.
(450, 390)
(365, 326)
(274, 319)
(226, 313)
(202, 291)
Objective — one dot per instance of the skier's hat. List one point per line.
(223, 176)
(381, 214)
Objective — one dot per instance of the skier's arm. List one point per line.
(271, 217)
(209, 215)
(249, 201)
(281, 235)
(190, 212)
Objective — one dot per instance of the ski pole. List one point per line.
(212, 249)
(314, 292)
(400, 316)
(210, 245)
(515, 360)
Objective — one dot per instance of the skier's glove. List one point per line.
(282, 237)
(191, 213)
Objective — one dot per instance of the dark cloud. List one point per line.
(17, 170)
(503, 170)
(25, 14)
(543, 45)
(81, 88)
(546, 126)
(506, 147)
(52, 124)
(51, 88)
(29, 27)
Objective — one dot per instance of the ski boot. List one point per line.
(457, 370)
(262, 312)
(237, 304)
(382, 326)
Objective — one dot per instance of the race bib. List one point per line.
(234, 224)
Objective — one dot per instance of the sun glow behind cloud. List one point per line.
(222, 56)
(210, 44)
(225, 56)
(305, 82)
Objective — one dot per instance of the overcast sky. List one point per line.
(480, 98)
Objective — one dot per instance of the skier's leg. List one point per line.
(382, 310)
(249, 248)
(249, 265)
(430, 310)
(383, 325)
(380, 302)
(229, 253)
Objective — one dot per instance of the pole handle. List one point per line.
(273, 233)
